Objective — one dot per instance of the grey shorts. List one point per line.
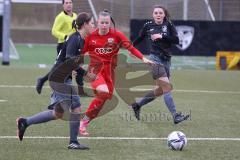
(162, 69)
(70, 100)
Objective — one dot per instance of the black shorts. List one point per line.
(161, 69)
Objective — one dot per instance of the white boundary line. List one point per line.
(120, 138)
(138, 89)
(19, 86)
(2, 100)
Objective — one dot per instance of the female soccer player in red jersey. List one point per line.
(103, 46)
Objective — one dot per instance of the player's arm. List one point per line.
(125, 43)
(172, 37)
(56, 29)
(72, 47)
(72, 52)
(85, 48)
(141, 36)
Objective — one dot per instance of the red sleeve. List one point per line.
(125, 43)
(85, 47)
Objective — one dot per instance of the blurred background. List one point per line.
(203, 86)
(214, 26)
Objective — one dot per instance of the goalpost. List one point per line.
(7, 47)
(208, 6)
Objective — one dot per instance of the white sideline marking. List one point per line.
(2, 100)
(138, 89)
(120, 138)
(20, 86)
(193, 91)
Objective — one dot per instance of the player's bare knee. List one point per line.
(104, 95)
(158, 91)
(167, 88)
(58, 111)
(58, 115)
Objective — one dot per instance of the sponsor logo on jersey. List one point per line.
(185, 34)
(103, 50)
(94, 42)
(164, 28)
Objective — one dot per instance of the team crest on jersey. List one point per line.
(164, 28)
(185, 34)
(110, 40)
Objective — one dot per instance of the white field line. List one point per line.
(3, 100)
(121, 138)
(138, 89)
(19, 86)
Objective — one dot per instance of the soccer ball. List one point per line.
(177, 140)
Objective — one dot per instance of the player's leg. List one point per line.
(42, 80)
(74, 122)
(102, 93)
(69, 107)
(79, 80)
(168, 99)
(42, 117)
(55, 112)
(162, 86)
(40, 83)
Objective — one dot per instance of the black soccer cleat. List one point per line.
(136, 109)
(179, 117)
(39, 85)
(22, 126)
(76, 145)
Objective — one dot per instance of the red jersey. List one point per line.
(103, 49)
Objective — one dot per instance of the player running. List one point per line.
(64, 97)
(161, 34)
(62, 29)
(103, 47)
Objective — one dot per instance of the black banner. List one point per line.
(1, 32)
(198, 38)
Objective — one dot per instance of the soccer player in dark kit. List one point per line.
(60, 77)
(161, 34)
(62, 29)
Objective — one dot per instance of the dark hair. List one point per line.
(63, 1)
(82, 18)
(105, 13)
(167, 15)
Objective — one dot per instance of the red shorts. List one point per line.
(105, 77)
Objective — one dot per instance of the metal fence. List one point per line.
(29, 21)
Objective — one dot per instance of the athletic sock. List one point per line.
(149, 97)
(74, 127)
(169, 102)
(41, 117)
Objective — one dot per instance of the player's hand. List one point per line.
(147, 61)
(74, 73)
(90, 76)
(156, 36)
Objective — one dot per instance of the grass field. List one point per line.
(211, 97)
